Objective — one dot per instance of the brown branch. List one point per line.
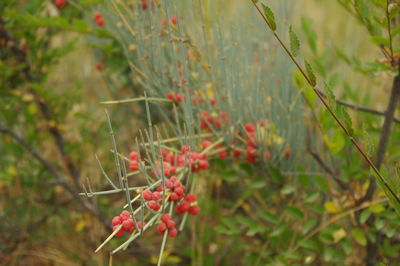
(331, 172)
(360, 108)
(45, 110)
(386, 129)
(52, 170)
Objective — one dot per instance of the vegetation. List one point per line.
(235, 133)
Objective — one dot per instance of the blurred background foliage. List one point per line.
(57, 65)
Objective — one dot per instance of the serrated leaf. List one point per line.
(359, 236)
(369, 143)
(310, 74)
(294, 42)
(270, 17)
(342, 112)
(330, 96)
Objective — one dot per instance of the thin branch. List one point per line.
(57, 177)
(329, 109)
(360, 108)
(330, 171)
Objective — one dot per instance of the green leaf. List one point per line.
(310, 244)
(295, 212)
(309, 224)
(342, 112)
(364, 216)
(269, 217)
(306, 25)
(359, 236)
(288, 189)
(270, 17)
(369, 142)
(294, 42)
(310, 74)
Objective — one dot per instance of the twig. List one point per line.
(329, 109)
(360, 108)
(57, 177)
(331, 172)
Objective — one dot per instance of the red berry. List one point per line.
(184, 206)
(128, 225)
(251, 158)
(120, 232)
(174, 196)
(154, 205)
(213, 101)
(174, 20)
(222, 154)
(100, 22)
(60, 3)
(203, 164)
(170, 96)
(194, 210)
(116, 220)
(206, 143)
(147, 195)
(144, 5)
(250, 128)
(139, 224)
(165, 217)
(178, 191)
(217, 123)
(170, 224)
(287, 154)
(99, 66)
(236, 154)
(125, 215)
(134, 165)
(251, 151)
(191, 197)
(156, 195)
(134, 156)
(185, 148)
(161, 228)
(179, 97)
(97, 15)
(173, 232)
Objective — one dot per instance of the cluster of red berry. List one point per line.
(98, 18)
(167, 223)
(176, 97)
(60, 3)
(206, 120)
(124, 219)
(153, 199)
(196, 161)
(134, 161)
(189, 205)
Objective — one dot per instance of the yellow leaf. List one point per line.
(80, 225)
(338, 235)
(32, 109)
(210, 90)
(376, 208)
(332, 207)
(11, 170)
